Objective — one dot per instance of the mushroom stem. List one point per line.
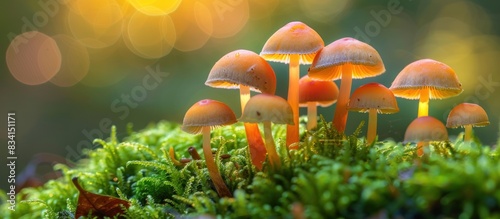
(420, 147)
(271, 147)
(244, 95)
(213, 171)
(372, 126)
(292, 131)
(255, 144)
(254, 138)
(312, 113)
(340, 116)
(468, 133)
(423, 104)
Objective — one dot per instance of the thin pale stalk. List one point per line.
(423, 103)
(292, 131)
(340, 116)
(468, 133)
(213, 171)
(372, 126)
(271, 147)
(312, 115)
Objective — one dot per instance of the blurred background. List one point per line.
(73, 68)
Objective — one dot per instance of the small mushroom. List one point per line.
(295, 43)
(345, 59)
(423, 130)
(245, 70)
(268, 108)
(467, 115)
(201, 118)
(426, 79)
(373, 98)
(313, 93)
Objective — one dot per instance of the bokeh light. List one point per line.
(189, 35)
(75, 61)
(33, 58)
(149, 36)
(323, 10)
(228, 17)
(155, 7)
(260, 9)
(95, 23)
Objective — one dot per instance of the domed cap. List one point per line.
(267, 108)
(365, 60)
(324, 93)
(293, 38)
(373, 96)
(426, 128)
(242, 67)
(436, 76)
(207, 113)
(467, 114)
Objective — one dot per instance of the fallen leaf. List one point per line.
(98, 205)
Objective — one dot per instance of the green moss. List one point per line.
(330, 175)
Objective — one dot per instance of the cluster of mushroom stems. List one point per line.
(345, 59)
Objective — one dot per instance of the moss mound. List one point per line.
(329, 176)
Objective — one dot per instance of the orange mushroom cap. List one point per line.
(267, 108)
(430, 74)
(365, 60)
(293, 38)
(324, 93)
(426, 128)
(467, 114)
(207, 113)
(242, 67)
(373, 96)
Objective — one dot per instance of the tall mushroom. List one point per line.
(423, 130)
(267, 108)
(313, 93)
(467, 115)
(426, 79)
(245, 70)
(345, 58)
(373, 98)
(200, 118)
(295, 43)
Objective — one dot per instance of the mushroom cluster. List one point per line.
(344, 59)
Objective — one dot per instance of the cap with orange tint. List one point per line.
(365, 60)
(467, 115)
(293, 38)
(267, 108)
(425, 129)
(313, 93)
(207, 113)
(439, 78)
(322, 93)
(373, 98)
(243, 67)
(426, 79)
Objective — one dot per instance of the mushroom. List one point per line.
(268, 108)
(345, 58)
(200, 118)
(373, 98)
(467, 115)
(423, 130)
(295, 43)
(426, 79)
(313, 93)
(245, 70)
